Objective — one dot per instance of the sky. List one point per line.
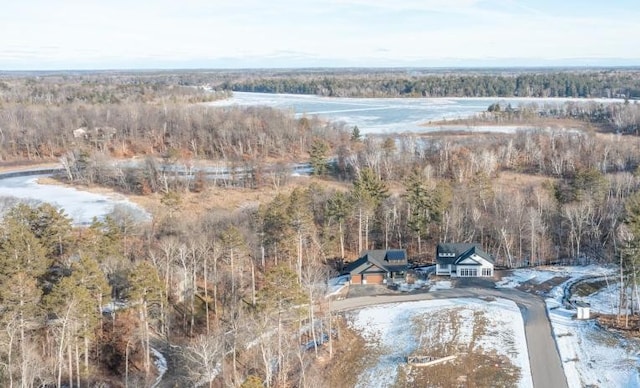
(131, 34)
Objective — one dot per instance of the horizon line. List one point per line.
(332, 68)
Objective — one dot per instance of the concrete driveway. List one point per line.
(546, 366)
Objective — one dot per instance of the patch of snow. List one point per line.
(161, 365)
(441, 285)
(542, 274)
(592, 356)
(338, 280)
(112, 306)
(606, 300)
(417, 284)
(389, 328)
(520, 276)
(575, 273)
(337, 284)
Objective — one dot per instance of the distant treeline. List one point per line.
(197, 85)
(592, 83)
(101, 88)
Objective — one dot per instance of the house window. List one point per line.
(468, 272)
(487, 272)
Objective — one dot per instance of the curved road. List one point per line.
(546, 366)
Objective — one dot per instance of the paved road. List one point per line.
(546, 366)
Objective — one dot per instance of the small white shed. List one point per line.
(583, 310)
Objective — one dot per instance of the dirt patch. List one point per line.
(351, 356)
(498, 274)
(469, 370)
(473, 367)
(511, 181)
(533, 122)
(588, 288)
(626, 325)
(544, 287)
(212, 198)
(369, 290)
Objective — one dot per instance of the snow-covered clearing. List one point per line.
(590, 355)
(440, 328)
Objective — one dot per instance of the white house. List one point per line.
(463, 260)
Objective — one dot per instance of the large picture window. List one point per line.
(487, 272)
(468, 272)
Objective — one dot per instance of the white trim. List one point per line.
(468, 260)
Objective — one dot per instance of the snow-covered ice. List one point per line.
(81, 206)
(389, 329)
(388, 115)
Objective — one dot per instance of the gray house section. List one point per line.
(378, 266)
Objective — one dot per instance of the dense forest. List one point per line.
(594, 83)
(233, 295)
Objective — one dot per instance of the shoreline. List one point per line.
(475, 122)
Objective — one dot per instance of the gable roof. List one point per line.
(392, 260)
(454, 253)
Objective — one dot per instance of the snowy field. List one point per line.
(590, 356)
(594, 357)
(458, 326)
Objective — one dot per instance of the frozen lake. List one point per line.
(81, 206)
(384, 115)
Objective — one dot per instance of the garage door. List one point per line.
(374, 278)
(356, 279)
